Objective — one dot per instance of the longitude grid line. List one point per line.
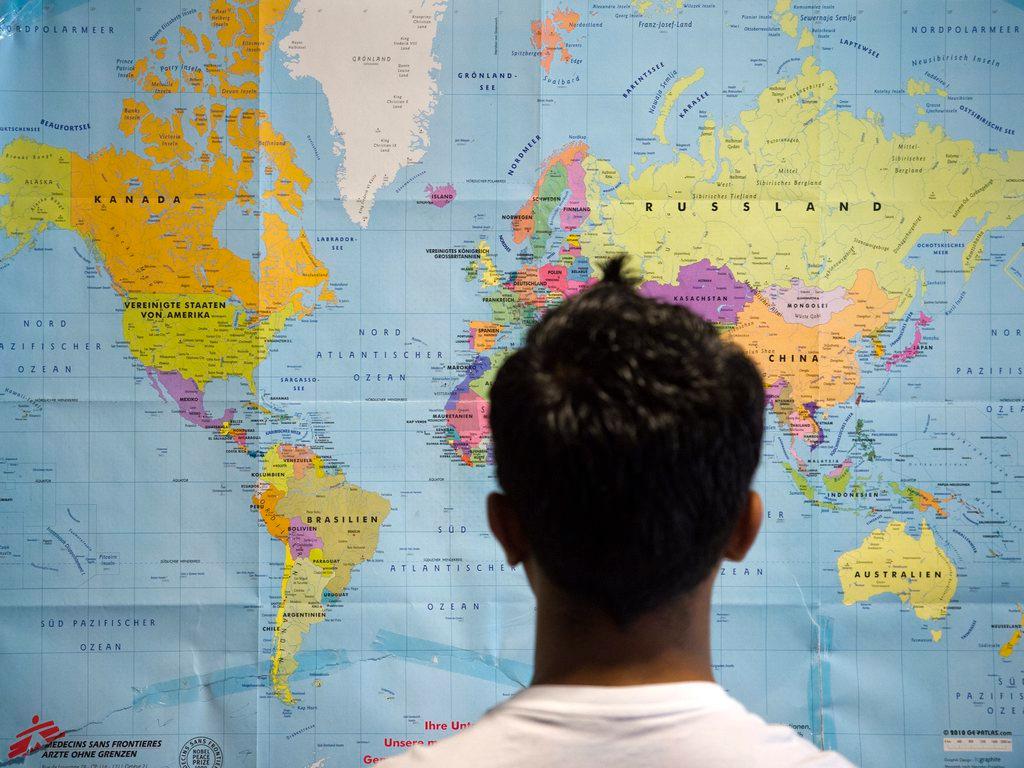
(764, 484)
(986, 249)
(945, 368)
(451, 124)
(497, 643)
(42, 419)
(180, 522)
(899, 410)
(316, 371)
(258, 203)
(135, 409)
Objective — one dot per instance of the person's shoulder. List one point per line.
(475, 746)
(742, 736)
(456, 751)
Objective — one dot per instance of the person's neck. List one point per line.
(582, 646)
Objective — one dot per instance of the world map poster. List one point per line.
(261, 259)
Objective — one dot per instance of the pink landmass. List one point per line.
(711, 292)
(806, 304)
(555, 278)
(239, 436)
(189, 399)
(773, 392)
(806, 429)
(302, 538)
(299, 456)
(468, 417)
(915, 346)
(440, 195)
(833, 473)
(575, 210)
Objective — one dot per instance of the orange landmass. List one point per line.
(155, 231)
(189, 39)
(299, 456)
(245, 29)
(924, 501)
(199, 120)
(266, 503)
(818, 364)
(546, 35)
(484, 334)
(291, 181)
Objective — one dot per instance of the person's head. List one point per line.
(626, 435)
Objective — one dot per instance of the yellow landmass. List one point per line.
(922, 500)
(347, 521)
(189, 39)
(599, 176)
(277, 470)
(918, 87)
(805, 190)
(243, 128)
(302, 588)
(490, 276)
(789, 23)
(661, 6)
(346, 518)
(194, 78)
(1006, 650)
(892, 561)
(200, 341)
(677, 90)
(37, 182)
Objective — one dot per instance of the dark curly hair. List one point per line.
(626, 435)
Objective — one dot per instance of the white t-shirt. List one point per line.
(670, 725)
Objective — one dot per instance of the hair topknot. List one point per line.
(615, 271)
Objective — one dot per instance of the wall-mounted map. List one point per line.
(261, 260)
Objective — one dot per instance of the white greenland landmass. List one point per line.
(374, 62)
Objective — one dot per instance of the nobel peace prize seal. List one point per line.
(201, 752)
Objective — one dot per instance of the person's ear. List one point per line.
(746, 529)
(507, 528)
